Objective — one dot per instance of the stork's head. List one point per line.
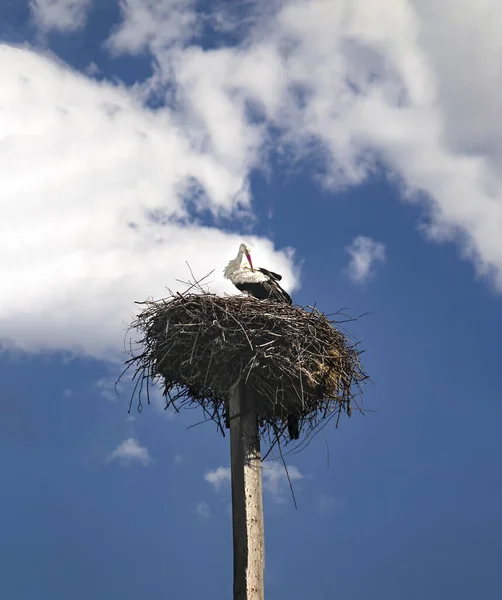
(243, 249)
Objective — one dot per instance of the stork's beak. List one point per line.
(248, 256)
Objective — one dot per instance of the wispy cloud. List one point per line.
(92, 69)
(367, 88)
(107, 388)
(275, 479)
(203, 510)
(179, 459)
(364, 254)
(158, 400)
(62, 15)
(154, 24)
(218, 478)
(130, 451)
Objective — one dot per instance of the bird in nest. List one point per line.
(257, 282)
(263, 285)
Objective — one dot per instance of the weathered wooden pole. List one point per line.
(247, 497)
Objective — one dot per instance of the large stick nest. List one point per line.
(200, 345)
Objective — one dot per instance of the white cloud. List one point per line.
(361, 84)
(179, 459)
(92, 69)
(93, 208)
(218, 478)
(153, 24)
(85, 164)
(107, 388)
(130, 451)
(62, 15)
(203, 510)
(275, 479)
(364, 253)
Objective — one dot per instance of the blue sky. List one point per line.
(357, 154)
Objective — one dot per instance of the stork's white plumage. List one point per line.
(260, 283)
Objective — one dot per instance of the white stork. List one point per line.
(260, 283)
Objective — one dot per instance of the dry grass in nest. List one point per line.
(200, 345)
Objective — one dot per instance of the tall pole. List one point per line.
(247, 497)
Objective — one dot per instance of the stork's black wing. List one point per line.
(275, 292)
(270, 274)
(267, 289)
